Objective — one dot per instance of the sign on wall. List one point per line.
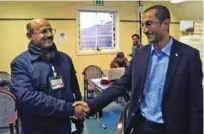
(98, 2)
(191, 33)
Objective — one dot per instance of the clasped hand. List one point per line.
(81, 109)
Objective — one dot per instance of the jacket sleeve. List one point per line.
(126, 61)
(110, 94)
(75, 85)
(195, 94)
(32, 101)
(114, 64)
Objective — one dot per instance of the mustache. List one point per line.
(51, 37)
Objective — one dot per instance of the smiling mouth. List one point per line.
(49, 40)
(149, 35)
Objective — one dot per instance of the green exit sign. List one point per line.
(98, 2)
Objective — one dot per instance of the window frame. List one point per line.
(102, 50)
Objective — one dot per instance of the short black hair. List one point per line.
(137, 35)
(120, 55)
(162, 12)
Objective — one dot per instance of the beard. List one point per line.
(48, 43)
(135, 43)
(153, 37)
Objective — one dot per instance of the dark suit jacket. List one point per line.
(182, 105)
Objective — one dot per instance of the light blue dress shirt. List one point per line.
(154, 85)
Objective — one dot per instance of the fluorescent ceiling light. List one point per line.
(176, 1)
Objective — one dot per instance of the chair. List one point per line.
(90, 72)
(122, 120)
(8, 115)
(5, 80)
(4, 76)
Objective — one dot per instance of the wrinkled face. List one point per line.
(153, 28)
(135, 40)
(42, 34)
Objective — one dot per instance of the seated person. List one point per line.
(119, 61)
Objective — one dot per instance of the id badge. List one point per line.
(56, 83)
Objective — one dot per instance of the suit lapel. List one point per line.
(143, 64)
(173, 62)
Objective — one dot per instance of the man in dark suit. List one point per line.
(165, 79)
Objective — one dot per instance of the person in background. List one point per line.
(119, 61)
(135, 43)
(45, 84)
(165, 79)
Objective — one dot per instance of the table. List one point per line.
(96, 83)
(98, 86)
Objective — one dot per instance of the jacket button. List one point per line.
(133, 114)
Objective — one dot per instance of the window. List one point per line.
(97, 30)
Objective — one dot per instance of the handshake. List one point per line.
(81, 109)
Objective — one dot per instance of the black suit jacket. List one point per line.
(182, 104)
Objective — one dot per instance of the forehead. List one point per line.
(39, 24)
(149, 15)
(134, 37)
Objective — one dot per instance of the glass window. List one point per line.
(96, 30)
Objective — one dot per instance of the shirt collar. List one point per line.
(166, 49)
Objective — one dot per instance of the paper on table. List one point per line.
(96, 80)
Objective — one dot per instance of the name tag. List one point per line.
(56, 83)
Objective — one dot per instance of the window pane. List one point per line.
(96, 29)
(88, 42)
(87, 30)
(105, 26)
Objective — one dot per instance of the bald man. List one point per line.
(45, 84)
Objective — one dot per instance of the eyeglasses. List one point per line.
(149, 23)
(46, 31)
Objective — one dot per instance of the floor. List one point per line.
(110, 119)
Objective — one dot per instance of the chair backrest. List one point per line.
(5, 80)
(7, 107)
(5, 76)
(92, 71)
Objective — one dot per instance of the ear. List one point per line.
(167, 21)
(166, 24)
(28, 34)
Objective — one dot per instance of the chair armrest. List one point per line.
(13, 119)
(12, 123)
(122, 121)
(85, 78)
(104, 75)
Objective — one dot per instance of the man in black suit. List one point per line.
(165, 79)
